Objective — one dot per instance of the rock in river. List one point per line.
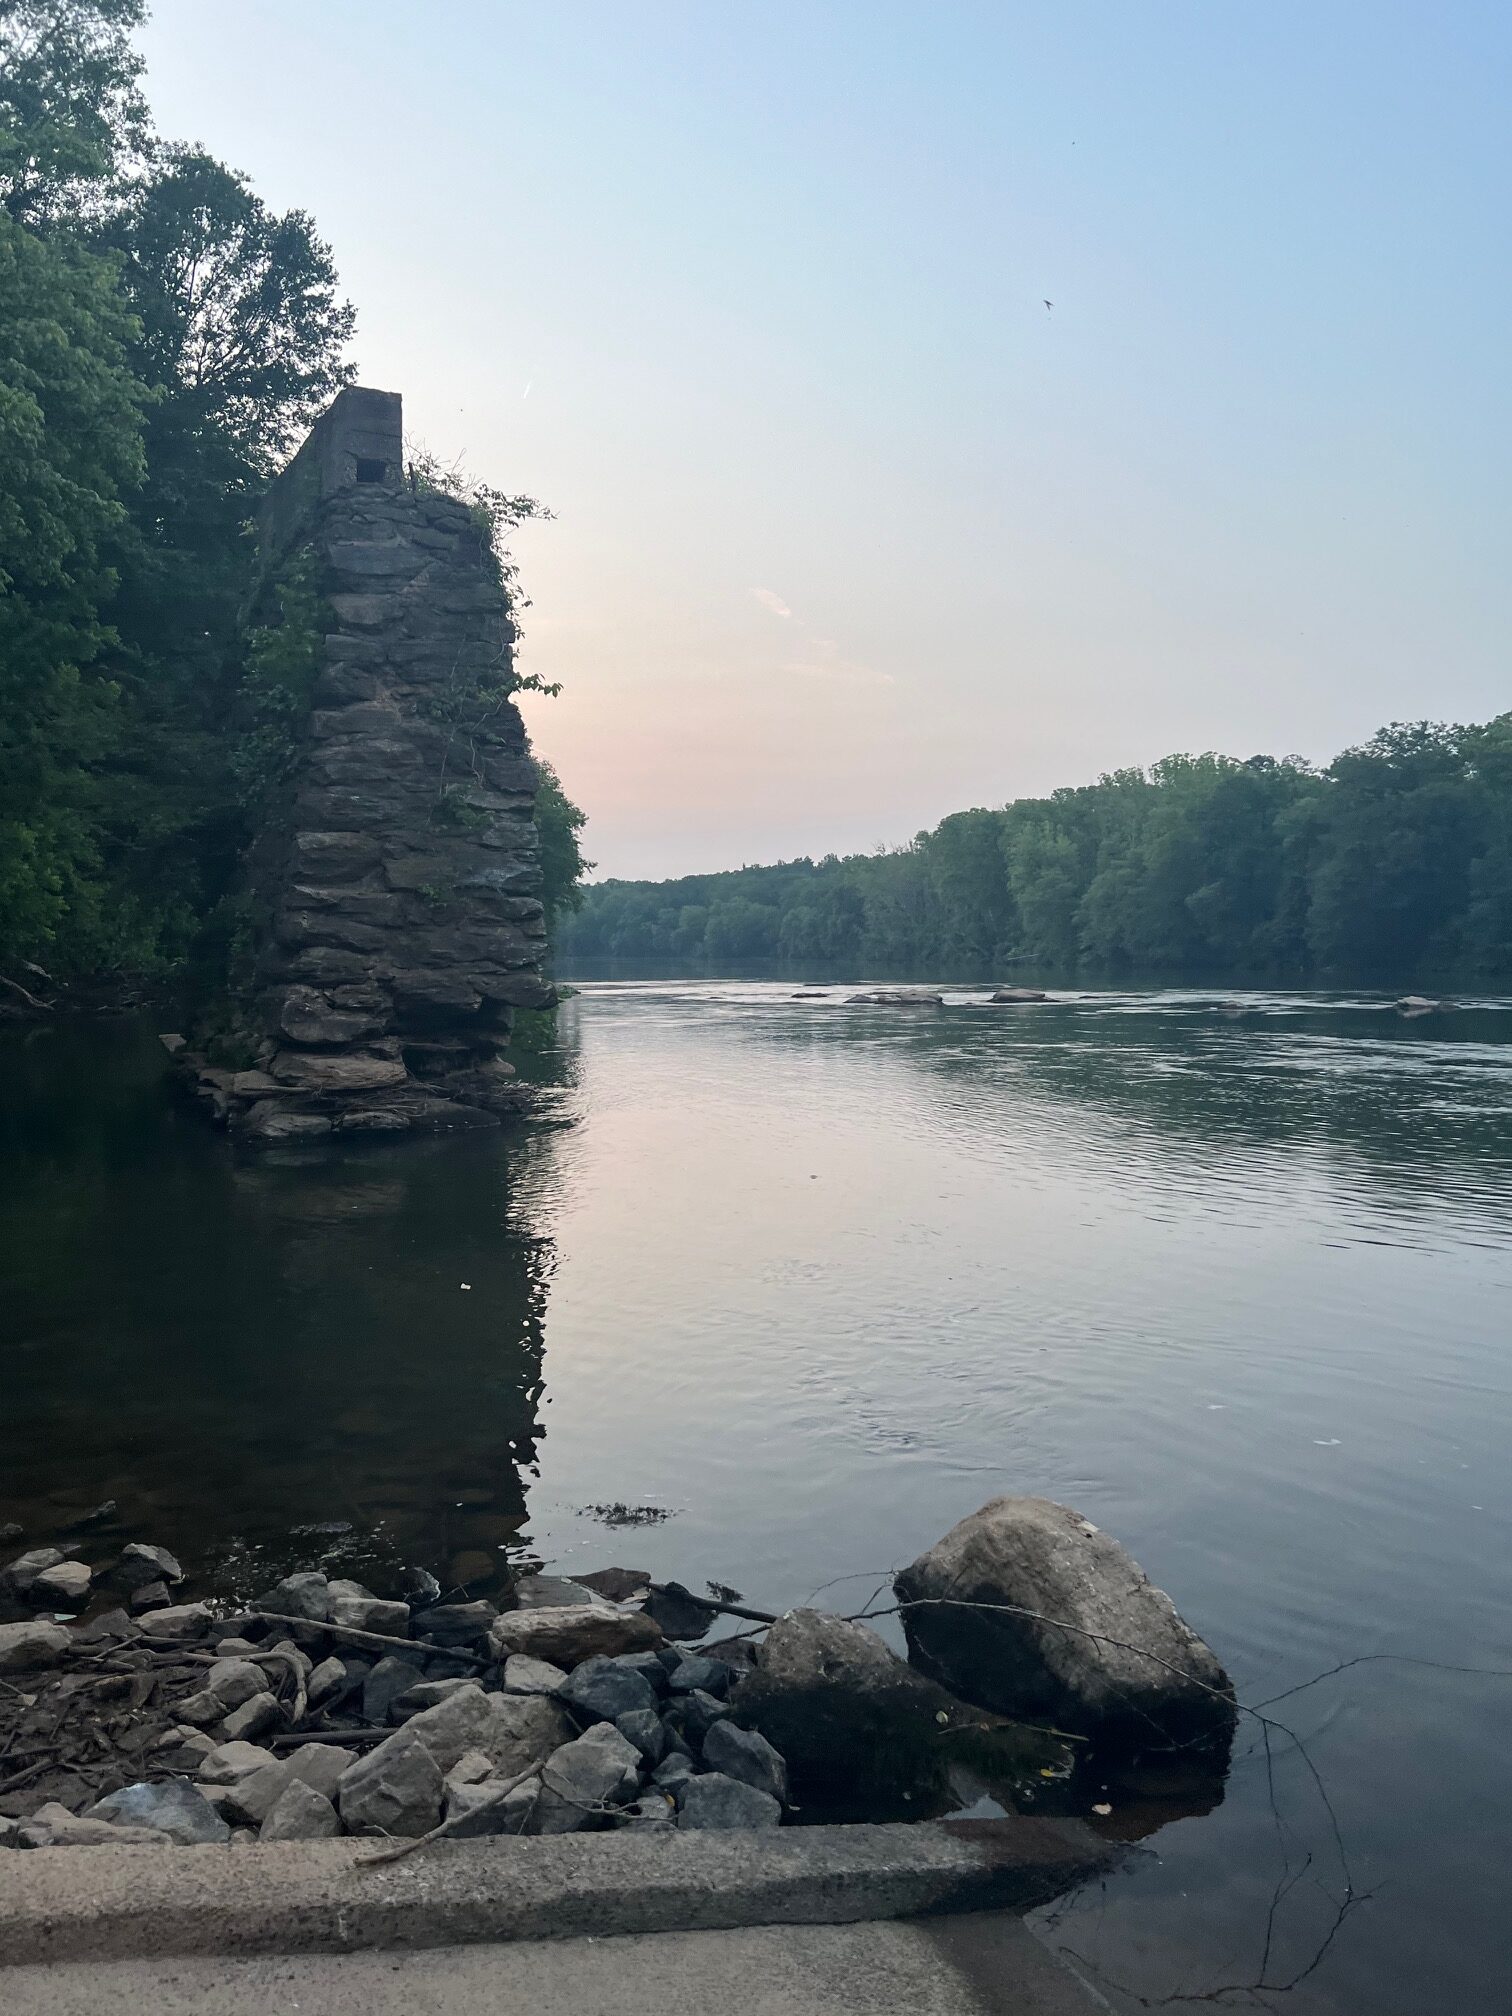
(1072, 1661)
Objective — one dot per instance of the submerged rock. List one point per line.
(1074, 1660)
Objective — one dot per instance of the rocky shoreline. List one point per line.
(323, 1708)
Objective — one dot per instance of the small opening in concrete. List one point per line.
(370, 469)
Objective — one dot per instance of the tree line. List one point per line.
(1392, 860)
(165, 339)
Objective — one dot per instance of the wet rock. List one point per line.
(63, 1587)
(151, 1596)
(141, 1565)
(358, 1609)
(568, 1636)
(746, 1754)
(523, 1675)
(1031, 1554)
(182, 1622)
(714, 1801)
(18, 1576)
(1015, 996)
(306, 1596)
(394, 1675)
(600, 1689)
(643, 1728)
(395, 1789)
(863, 1731)
(679, 1612)
(53, 1826)
(228, 1763)
(424, 1694)
(255, 1717)
(174, 1809)
(896, 997)
(693, 1670)
(555, 1592)
(581, 1780)
(620, 1585)
(234, 1681)
(300, 1813)
(24, 1647)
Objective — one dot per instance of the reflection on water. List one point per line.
(818, 1280)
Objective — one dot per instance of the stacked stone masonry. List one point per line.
(402, 878)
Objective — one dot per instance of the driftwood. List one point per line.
(357, 1637)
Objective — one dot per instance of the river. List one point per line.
(775, 1290)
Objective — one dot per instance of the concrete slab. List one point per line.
(78, 1904)
(971, 1966)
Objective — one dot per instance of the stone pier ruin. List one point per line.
(396, 883)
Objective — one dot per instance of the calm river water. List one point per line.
(813, 1281)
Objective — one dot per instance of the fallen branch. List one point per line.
(42, 1007)
(709, 1603)
(357, 1637)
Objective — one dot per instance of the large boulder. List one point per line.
(395, 1789)
(1068, 1628)
(573, 1633)
(174, 1809)
(514, 1731)
(864, 1735)
(582, 1781)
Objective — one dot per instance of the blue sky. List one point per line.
(852, 530)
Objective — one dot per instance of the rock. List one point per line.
(746, 1754)
(555, 1592)
(191, 1747)
(600, 1689)
(305, 1596)
(100, 1515)
(672, 1772)
(679, 1612)
(464, 1624)
(695, 1713)
(151, 1596)
(516, 1731)
(649, 1666)
(715, 1801)
(203, 1708)
(360, 1610)
(568, 1636)
(53, 1826)
(109, 1626)
(895, 997)
(395, 1789)
(11, 1531)
(523, 1675)
(172, 1042)
(1039, 1556)
(394, 1675)
(620, 1585)
(694, 1670)
(255, 1717)
(739, 1654)
(478, 1811)
(300, 1813)
(18, 1576)
(1012, 996)
(864, 1732)
(581, 1779)
(642, 1727)
(228, 1763)
(318, 1765)
(472, 1566)
(24, 1647)
(234, 1681)
(10, 1833)
(181, 1622)
(62, 1587)
(174, 1809)
(470, 1769)
(141, 1565)
(424, 1694)
(287, 1649)
(326, 1681)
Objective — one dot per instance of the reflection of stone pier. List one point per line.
(397, 875)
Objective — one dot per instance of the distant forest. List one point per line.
(1394, 859)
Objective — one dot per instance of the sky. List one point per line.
(938, 403)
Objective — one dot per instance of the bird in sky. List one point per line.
(1048, 304)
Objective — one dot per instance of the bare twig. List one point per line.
(372, 1637)
(449, 1825)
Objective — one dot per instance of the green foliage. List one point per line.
(71, 116)
(1395, 860)
(559, 822)
(281, 662)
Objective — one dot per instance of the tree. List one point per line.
(71, 115)
(559, 822)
